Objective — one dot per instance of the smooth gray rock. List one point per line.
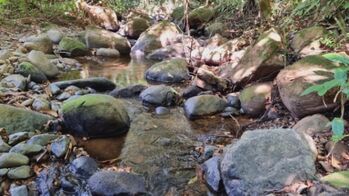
(95, 115)
(127, 92)
(4, 147)
(108, 52)
(97, 83)
(21, 172)
(14, 81)
(59, 146)
(162, 110)
(169, 71)
(17, 137)
(21, 120)
(203, 105)
(27, 149)
(191, 91)
(313, 124)
(13, 160)
(39, 59)
(41, 104)
(234, 100)
(160, 95)
(212, 173)
(42, 139)
(4, 171)
(264, 160)
(55, 35)
(19, 190)
(116, 183)
(84, 166)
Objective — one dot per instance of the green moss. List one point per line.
(70, 44)
(338, 179)
(203, 14)
(178, 13)
(216, 27)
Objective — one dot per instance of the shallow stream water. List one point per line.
(161, 148)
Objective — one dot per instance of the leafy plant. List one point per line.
(340, 82)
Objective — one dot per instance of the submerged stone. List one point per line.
(97, 83)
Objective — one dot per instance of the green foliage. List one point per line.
(339, 81)
(338, 179)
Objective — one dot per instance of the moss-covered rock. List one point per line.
(40, 60)
(177, 14)
(254, 98)
(305, 36)
(199, 16)
(216, 27)
(260, 61)
(18, 120)
(98, 38)
(136, 26)
(293, 80)
(174, 70)
(72, 47)
(95, 115)
(203, 105)
(157, 36)
(40, 43)
(27, 69)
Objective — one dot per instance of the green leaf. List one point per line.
(337, 127)
(341, 75)
(322, 89)
(335, 57)
(338, 179)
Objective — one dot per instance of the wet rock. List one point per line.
(306, 36)
(97, 38)
(97, 83)
(116, 183)
(13, 160)
(4, 171)
(84, 166)
(14, 81)
(260, 61)
(295, 79)
(54, 89)
(161, 110)
(176, 50)
(170, 71)
(212, 173)
(45, 180)
(233, 100)
(200, 16)
(59, 146)
(63, 96)
(4, 147)
(55, 35)
(127, 92)
(27, 69)
(191, 91)
(17, 119)
(136, 26)
(17, 137)
(27, 149)
(42, 139)
(157, 36)
(95, 116)
(208, 152)
(204, 105)
(39, 60)
(107, 52)
(254, 98)
(72, 47)
(19, 190)
(209, 81)
(230, 111)
(313, 124)
(39, 43)
(290, 156)
(160, 95)
(21, 172)
(41, 104)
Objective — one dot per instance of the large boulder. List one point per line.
(264, 160)
(305, 36)
(295, 79)
(97, 38)
(213, 55)
(136, 26)
(203, 105)
(95, 115)
(97, 83)
(72, 47)
(18, 120)
(157, 36)
(160, 95)
(254, 98)
(27, 69)
(39, 60)
(260, 61)
(174, 70)
(200, 16)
